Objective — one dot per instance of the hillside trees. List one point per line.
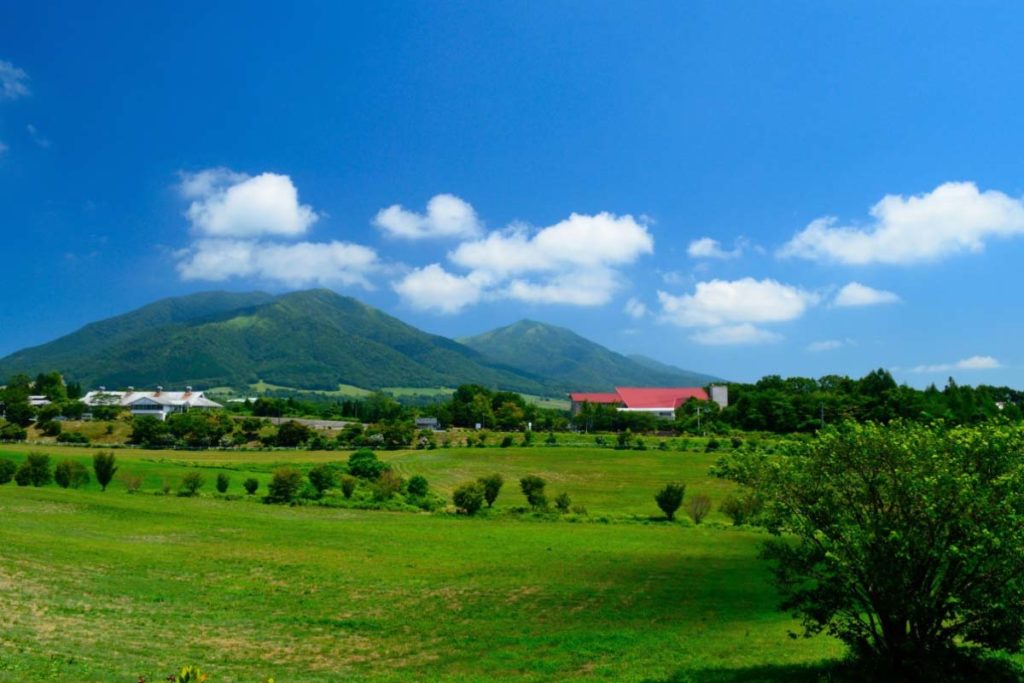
(904, 541)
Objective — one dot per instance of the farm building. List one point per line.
(660, 401)
(158, 404)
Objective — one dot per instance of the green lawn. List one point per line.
(110, 586)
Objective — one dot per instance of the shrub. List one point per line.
(284, 485)
(712, 445)
(741, 509)
(348, 485)
(492, 484)
(72, 437)
(663, 445)
(418, 485)
(551, 440)
(250, 485)
(104, 465)
(639, 445)
(387, 485)
(736, 442)
(165, 486)
(670, 498)
(532, 487)
(365, 464)
(190, 484)
(292, 434)
(50, 428)
(698, 507)
(132, 482)
(13, 432)
(469, 497)
(7, 470)
(527, 438)
(563, 502)
(35, 471)
(321, 478)
(70, 473)
(507, 441)
(579, 510)
(222, 482)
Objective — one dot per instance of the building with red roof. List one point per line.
(660, 401)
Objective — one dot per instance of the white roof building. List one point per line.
(158, 404)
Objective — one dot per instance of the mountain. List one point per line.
(312, 340)
(573, 362)
(686, 377)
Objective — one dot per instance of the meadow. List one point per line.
(112, 586)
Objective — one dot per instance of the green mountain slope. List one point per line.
(312, 340)
(686, 377)
(571, 361)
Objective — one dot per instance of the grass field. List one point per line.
(110, 586)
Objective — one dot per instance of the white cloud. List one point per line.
(705, 247)
(37, 137)
(952, 218)
(729, 335)
(826, 345)
(635, 308)
(299, 264)
(722, 302)
(972, 363)
(856, 294)
(576, 288)
(447, 216)
(432, 287)
(13, 82)
(228, 204)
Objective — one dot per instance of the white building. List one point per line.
(158, 404)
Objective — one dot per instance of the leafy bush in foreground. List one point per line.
(492, 484)
(563, 502)
(348, 485)
(250, 485)
(7, 470)
(35, 471)
(321, 478)
(190, 484)
(223, 481)
(670, 498)
(532, 487)
(698, 507)
(418, 485)
(741, 508)
(284, 485)
(469, 497)
(104, 465)
(70, 474)
(365, 464)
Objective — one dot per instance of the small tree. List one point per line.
(387, 485)
(418, 486)
(348, 485)
(222, 482)
(70, 473)
(104, 464)
(741, 508)
(190, 484)
(698, 506)
(321, 478)
(670, 498)
(35, 471)
(532, 487)
(284, 485)
(7, 470)
(469, 497)
(492, 484)
(250, 485)
(292, 434)
(563, 502)
(365, 464)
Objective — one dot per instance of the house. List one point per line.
(427, 423)
(158, 404)
(38, 401)
(660, 401)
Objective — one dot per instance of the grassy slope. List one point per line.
(110, 586)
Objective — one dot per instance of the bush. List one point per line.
(321, 478)
(507, 441)
(35, 471)
(72, 437)
(741, 509)
(284, 485)
(190, 484)
(563, 502)
(663, 445)
(469, 497)
(7, 470)
(250, 485)
(132, 482)
(348, 485)
(736, 442)
(71, 474)
(698, 507)
(365, 464)
(418, 485)
(492, 486)
(670, 498)
(222, 482)
(104, 465)
(579, 510)
(532, 487)
(165, 486)
(12, 432)
(292, 434)
(50, 428)
(527, 438)
(387, 485)
(551, 440)
(712, 445)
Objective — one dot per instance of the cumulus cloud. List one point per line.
(227, 204)
(434, 288)
(953, 218)
(826, 345)
(635, 308)
(856, 294)
(446, 216)
(13, 82)
(735, 334)
(972, 363)
(708, 248)
(574, 262)
(298, 264)
(37, 137)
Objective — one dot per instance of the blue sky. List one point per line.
(737, 188)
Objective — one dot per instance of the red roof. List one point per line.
(594, 397)
(659, 397)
